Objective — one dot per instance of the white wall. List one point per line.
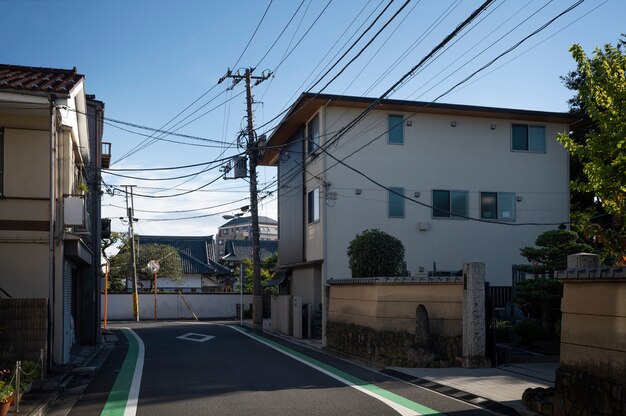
(171, 306)
(469, 157)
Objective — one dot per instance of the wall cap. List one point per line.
(612, 273)
(395, 281)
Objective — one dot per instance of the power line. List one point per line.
(303, 36)
(367, 44)
(169, 167)
(354, 44)
(136, 148)
(253, 34)
(341, 161)
(280, 35)
(178, 194)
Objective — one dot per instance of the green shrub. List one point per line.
(530, 331)
(374, 253)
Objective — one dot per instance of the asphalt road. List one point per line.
(218, 370)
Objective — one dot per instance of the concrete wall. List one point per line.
(593, 329)
(469, 157)
(281, 315)
(591, 379)
(391, 306)
(171, 306)
(306, 283)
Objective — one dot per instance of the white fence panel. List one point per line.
(172, 306)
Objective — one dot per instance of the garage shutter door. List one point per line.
(68, 328)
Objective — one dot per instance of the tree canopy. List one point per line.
(268, 267)
(552, 249)
(374, 253)
(599, 148)
(167, 257)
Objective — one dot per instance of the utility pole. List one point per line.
(131, 233)
(253, 149)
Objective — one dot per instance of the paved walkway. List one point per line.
(504, 384)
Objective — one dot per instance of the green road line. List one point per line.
(403, 401)
(118, 397)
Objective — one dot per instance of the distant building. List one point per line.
(200, 272)
(241, 229)
(237, 250)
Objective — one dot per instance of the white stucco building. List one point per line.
(475, 180)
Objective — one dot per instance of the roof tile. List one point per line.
(30, 78)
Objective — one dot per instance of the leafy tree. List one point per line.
(167, 256)
(538, 298)
(112, 241)
(552, 249)
(374, 253)
(268, 267)
(598, 148)
(116, 286)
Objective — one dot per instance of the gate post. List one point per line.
(474, 315)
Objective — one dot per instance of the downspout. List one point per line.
(324, 288)
(51, 262)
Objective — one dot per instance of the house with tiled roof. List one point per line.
(240, 228)
(50, 155)
(237, 250)
(200, 272)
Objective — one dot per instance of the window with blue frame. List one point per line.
(395, 125)
(396, 202)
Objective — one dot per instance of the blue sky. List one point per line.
(148, 60)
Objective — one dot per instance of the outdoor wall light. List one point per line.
(416, 194)
(357, 191)
(453, 123)
(519, 198)
(493, 126)
(409, 123)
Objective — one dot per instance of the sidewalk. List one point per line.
(57, 382)
(502, 385)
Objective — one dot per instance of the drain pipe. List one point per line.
(51, 260)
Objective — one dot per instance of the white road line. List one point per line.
(133, 394)
(404, 411)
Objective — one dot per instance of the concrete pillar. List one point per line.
(474, 337)
(583, 261)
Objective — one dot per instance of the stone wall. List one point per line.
(393, 321)
(388, 348)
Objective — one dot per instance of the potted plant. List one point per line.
(30, 372)
(6, 397)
